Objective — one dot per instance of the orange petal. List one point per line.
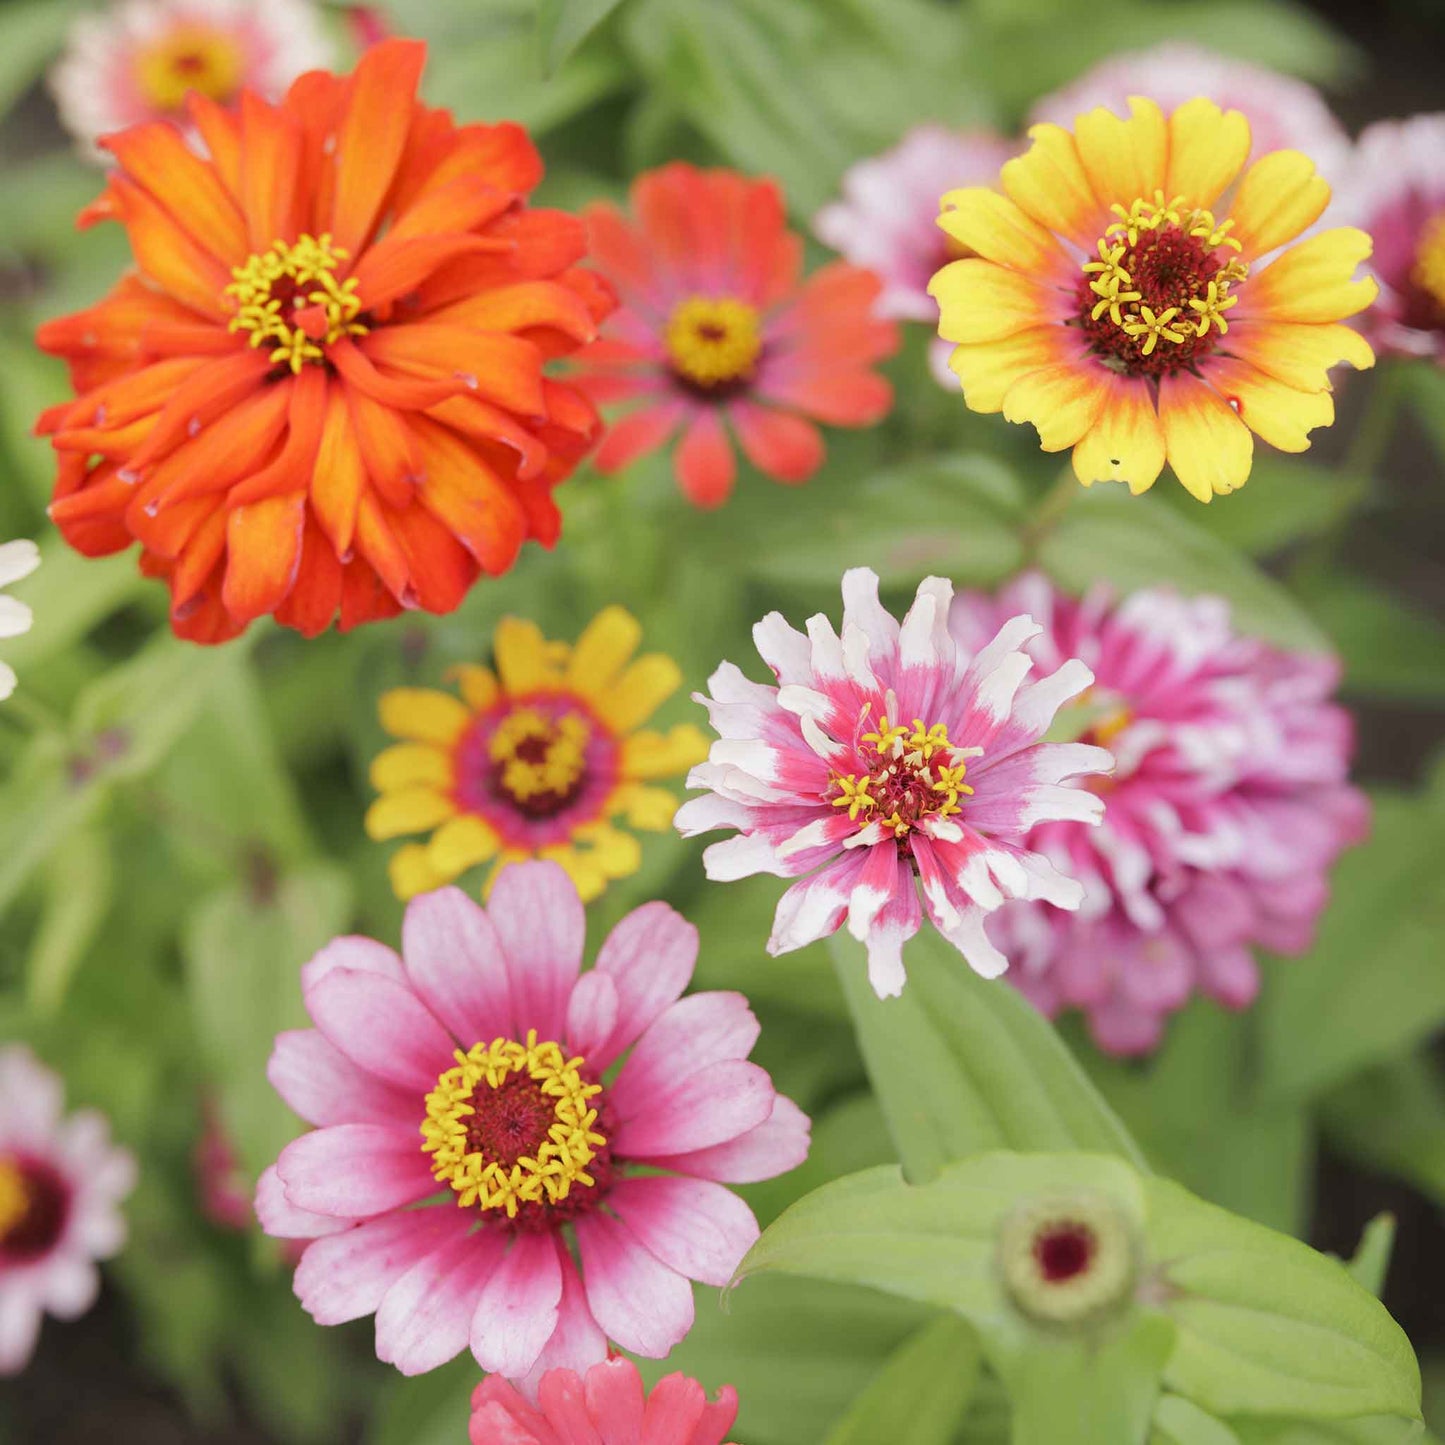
(171, 259)
(221, 453)
(400, 392)
(1124, 160)
(1126, 441)
(503, 369)
(521, 307)
(782, 446)
(263, 550)
(208, 393)
(704, 462)
(1208, 446)
(314, 601)
(464, 203)
(395, 268)
(1300, 354)
(292, 470)
(270, 170)
(377, 543)
(469, 499)
(198, 561)
(220, 130)
(484, 423)
(1279, 197)
(388, 448)
(1062, 401)
(340, 475)
(1278, 414)
(442, 570)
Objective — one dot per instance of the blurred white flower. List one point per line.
(17, 560)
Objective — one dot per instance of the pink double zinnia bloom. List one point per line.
(606, 1406)
(890, 757)
(1228, 804)
(469, 1073)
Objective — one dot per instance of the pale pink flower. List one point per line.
(606, 1406)
(1283, 113)
(137, 60)
(1396, 190)
(222, 1188)
(467, 1073)
(887, 758)
(887, 217)
(61, 1183)
(1228, 804)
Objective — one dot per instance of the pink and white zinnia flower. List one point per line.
(890, 757)
(1228, 804)
(469, 1073)
(138, 61)
(606, 1406)
(61, 1182)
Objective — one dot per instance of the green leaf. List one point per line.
(1372, 1259)
(963, 1064)
(562, 25)
(31, 32)
(1145, 542)
(1389, 648)
(1178, 1421)
(920, 1394)
(79, 884)
(431, 1409)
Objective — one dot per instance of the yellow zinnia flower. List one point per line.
(1133, 302)
(537, 759)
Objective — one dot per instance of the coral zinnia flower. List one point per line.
(324, 391)
(536, 760)
(470, 1075)
(608, 1404)
(139, 60)
(1127, 300)
(716, 331)
(1228, 805)
(17, 560)
(887, 758)
(61, 1181)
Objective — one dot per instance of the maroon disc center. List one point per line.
(1064, 1251)
(47, 1208)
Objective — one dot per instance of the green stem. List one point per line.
(1048, 514)
(26, 709)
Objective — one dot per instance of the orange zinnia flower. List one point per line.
(323, 393)
(1133, 302)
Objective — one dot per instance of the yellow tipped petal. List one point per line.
(643, 687)
(525, 659)
(1061, 401)
(462, 843)
(479, 687)
(1207, 149)
(1124, 159)
(408, 810)
(1313, 280)
(648, 755)
(1126, 443)
(988, 369)
(1049, 183)
(617, 854)
(411, 872)
(1298, 353)
(999, 230)
(1279, 197)
(582, 868)
(411, 764)
(603, 650)
(1279, 414)
(651, 809)
(422, 715)
(981, 301)
(1208, 446)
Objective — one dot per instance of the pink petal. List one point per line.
(650, 956)
(355, 1170)
(780, 445)
(455, 962)
(365, 955)
(709, 1107)
(323, 1086)
(692, 1034)
(577, 1343)
(516, 1312)
(500, 1416)
(344, 1277)
(538, 917)
(591, 1017)
(641, 1303)
(694, 1226)
(423, 1318)
(636, 434)
(20, 1314)
(771, 1148)
(615, 1397)
(674, 1410)
(282, 1220)
(704, 462)
(381, 1025)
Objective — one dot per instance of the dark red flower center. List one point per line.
(1064, 1251)
(535, 760)
(34, 1208)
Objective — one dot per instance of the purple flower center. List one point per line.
(34, 1208)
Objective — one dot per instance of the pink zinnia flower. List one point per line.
(138, 61)
(886, 219)
(469, 1074)
(606, 1406)
(222, 1188)
(1283, 113)
(890, 757)
(1228, 804)
(61, 1182)
(1396, 188)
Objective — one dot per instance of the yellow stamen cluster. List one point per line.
(1113, 282)
(713, 340)
(1429, 268)
(308, 262)
(559, 756)
(189, 57)
(560, 1161)
(905, 761)
(14, 1196)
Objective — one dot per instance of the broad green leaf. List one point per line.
(430, 1409)
(1145, 542)
(1372, 1259)
(920, 1394)
(1389, 648)
(562, 25)
(79, 882)
(31, 33)
(1376, 1431)
(963, 1064)
(1178, 1421)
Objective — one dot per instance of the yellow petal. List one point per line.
(1124, 159)
(582, 868)
(408, 810)
(524, 657)
(1298, 353)
(651, 809)
(981, 301)
(617, 854)
(1061, 400)
(643, 687)
(647, 755)
(478, 684)
(998, 229)
(1207, 149)
(422, 715)
(1312, 281)
(1209, 448)
(462, 843)
(1049, 183)
(1279, 414)
(602, 650)
(1126, 443)
(411, 764)
(988, 369)
(1278, 198)
(411, 872)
